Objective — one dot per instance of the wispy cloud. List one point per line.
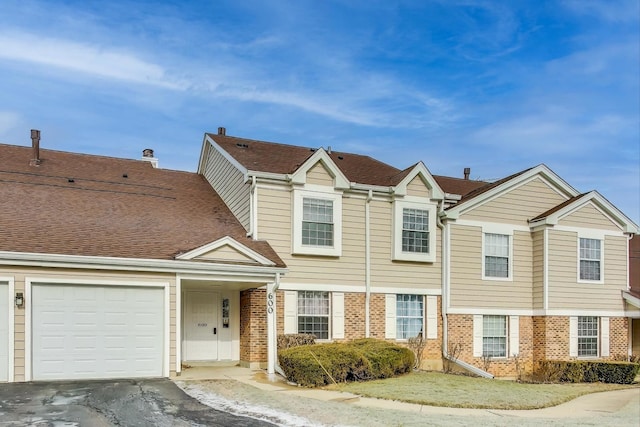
(612, 11)
(8, 121)
(90, 59)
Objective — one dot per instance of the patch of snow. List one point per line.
(257, 412)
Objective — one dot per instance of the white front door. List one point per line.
(201, 325)
(4, 332)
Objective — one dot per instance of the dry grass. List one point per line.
(458, 391)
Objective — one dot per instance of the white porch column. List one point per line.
(272, 336)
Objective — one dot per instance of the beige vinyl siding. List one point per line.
(538, 269)
(274, 222)
(565, 292)
(467, 287)
(417, 188)
(19, 275)
(229, 183)
(518, 205)
(589, 217)
(384, 271)
(319, 175)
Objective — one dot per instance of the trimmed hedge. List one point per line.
(364, 359)
(588, 371)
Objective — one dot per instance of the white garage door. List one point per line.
(85, 331)
(4, 332)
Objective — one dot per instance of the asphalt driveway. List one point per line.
(153, 402)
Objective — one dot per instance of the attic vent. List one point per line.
(71, 180)
(340, 157)
(124, 175)
(312, 149)
(242, 145)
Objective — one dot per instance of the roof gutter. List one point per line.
(141, 264)
(445, 300)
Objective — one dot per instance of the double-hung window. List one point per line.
(415, 230)
(409, 316)
(496, 256)
(494, 336)
(590, 259)
(313, 313)
(587, 336)
(317, 222)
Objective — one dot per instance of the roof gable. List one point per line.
(491, 191)
(419, 171)
(225, 249)
(589, 203)
(320, 157)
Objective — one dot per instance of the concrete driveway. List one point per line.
(152, 402)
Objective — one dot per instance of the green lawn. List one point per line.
(459, 391)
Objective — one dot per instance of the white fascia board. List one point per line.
(386, 190)
(270, 176)
(226, 155)
(203, 151)
(631, 299)
(320, 155)
(536, 312)
(542, 171)
(226, 241)
(233, 271)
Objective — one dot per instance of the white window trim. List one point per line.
(336, 314)
(424, 317)
(577, 338)
(506, 231)
(323, 193)
(398, 213)
(512, 336)
(596, 236)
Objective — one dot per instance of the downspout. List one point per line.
(252, 209)
(446, 257)
(277, 366)
(367, 264)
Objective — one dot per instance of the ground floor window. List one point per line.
(313, 313)
(587, 336)
(409, 316)
(494, 336)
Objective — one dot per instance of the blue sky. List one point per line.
(498, 86)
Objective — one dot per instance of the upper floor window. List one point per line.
(414, 224)
(317, 222)
(415, 230)
(409, 316)
(590, 259)
(587, 336)
(494, 336)
(497, 256)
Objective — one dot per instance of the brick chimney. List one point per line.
(35, 145)
(147, 155)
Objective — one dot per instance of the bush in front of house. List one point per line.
(293, 340)
(359, 360)
(587, 371)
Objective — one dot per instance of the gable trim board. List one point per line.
(536, 313)
(225, 241)
(320, 156)
(35, 349)
(331, 287)
(7, 341)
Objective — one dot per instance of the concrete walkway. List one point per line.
(584, 406)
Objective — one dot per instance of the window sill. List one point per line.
(497, 279)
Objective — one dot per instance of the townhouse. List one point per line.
(508, 273)
(115, 268)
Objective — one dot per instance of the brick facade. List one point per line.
(253, 327)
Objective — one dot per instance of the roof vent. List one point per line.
(147, 154)
(222, 131)
(329, 149)
(35, 144)
(467, 172)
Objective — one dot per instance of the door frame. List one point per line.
(28, 331)
(183, 328)
(10, 310)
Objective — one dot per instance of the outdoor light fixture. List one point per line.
(19, 299)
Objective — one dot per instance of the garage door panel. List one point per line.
(104, 332)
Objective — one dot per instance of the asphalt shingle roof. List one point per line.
(79, 204)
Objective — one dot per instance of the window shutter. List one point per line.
(432, 317)
(604, 336)
(477, 335)
(390, 315)
(514, 335)
(290, 312)
(337, 322)
(573, 336)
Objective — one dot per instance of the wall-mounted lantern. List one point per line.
(19, 299)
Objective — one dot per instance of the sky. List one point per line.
(497, 86)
